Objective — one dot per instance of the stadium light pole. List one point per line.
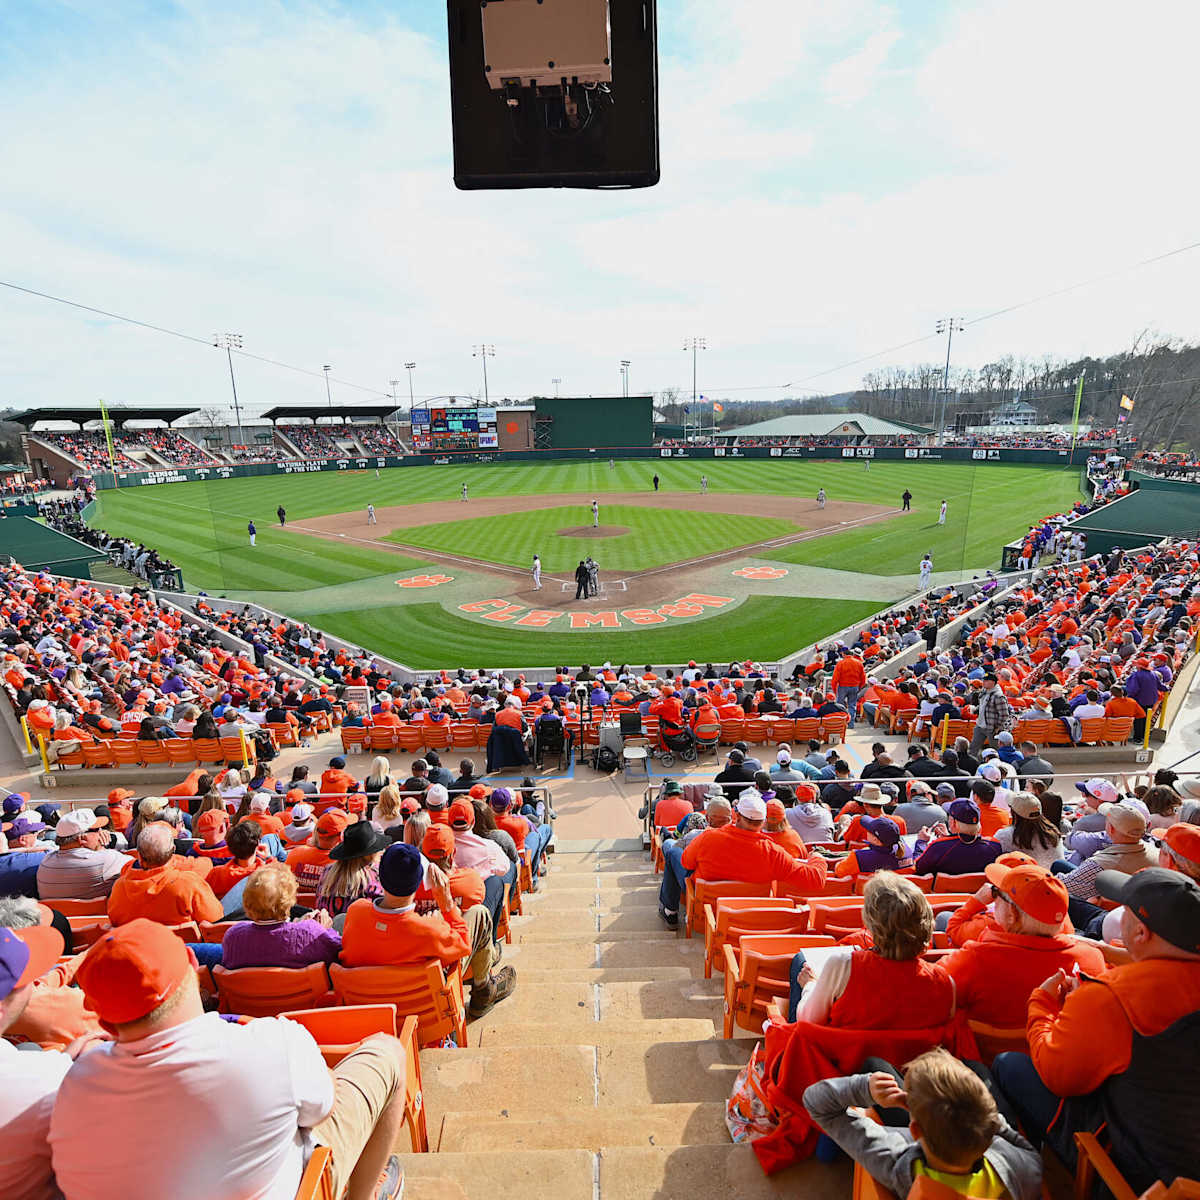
(556, 381)
(410, 367)
(231, 342)
(484, 352)
(624, 377)
(328, 394)
(694, 344)
(949, 326)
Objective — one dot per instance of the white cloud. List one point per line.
(835, 179)
(853, 78)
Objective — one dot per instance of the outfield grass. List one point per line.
(202, 528)
(655, 536)
(764, 627)
(986, 508)
(212, 548)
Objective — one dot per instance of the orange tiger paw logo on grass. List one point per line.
(761, 572)
(422, 581)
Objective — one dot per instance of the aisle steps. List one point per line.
(604, 1076)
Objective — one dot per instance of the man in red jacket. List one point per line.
(742, 851)
(848, 681)
(996, 974)
(1124, 1049)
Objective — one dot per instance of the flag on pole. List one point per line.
(718, 407)
(1075, 417)
(1127, 404)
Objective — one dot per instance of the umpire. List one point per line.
(581, 581)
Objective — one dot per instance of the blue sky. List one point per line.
(835, 178)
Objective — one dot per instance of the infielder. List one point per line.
(370, 514)
(537, 573)
(926, 570)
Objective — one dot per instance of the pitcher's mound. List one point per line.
(589, 531)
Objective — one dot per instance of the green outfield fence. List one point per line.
(962, 454)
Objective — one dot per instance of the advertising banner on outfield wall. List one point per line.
(1053, 457)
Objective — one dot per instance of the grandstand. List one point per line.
(630, 1018)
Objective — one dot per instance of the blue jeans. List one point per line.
(536, 842)
(849, 697)
(795, 989)
(1020, 1087)
(208, 954)
(674, 877)
(493, 897)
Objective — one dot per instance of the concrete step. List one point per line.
(588, 974)
(562, 1078)
(650, 1125)
(633, 1074)
(617, 862)
(589, 922)
(551, 1031)
(568, 1174)
(655, 1000)
(643, 950)
(685, 1172)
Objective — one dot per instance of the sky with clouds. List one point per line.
(835, 177)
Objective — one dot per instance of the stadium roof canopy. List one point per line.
(311, 412)
(80, 416)
(807, 425)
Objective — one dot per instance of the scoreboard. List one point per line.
(454, 429)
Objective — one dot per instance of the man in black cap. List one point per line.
(1123, 1049)
(736, 775)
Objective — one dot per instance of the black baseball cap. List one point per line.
(1167, 902)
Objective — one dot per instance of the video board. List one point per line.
(453, 428)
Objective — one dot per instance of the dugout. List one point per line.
(581, 423)
(37, 547)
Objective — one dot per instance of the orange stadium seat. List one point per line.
(1118, 730)
(416, 989)
(834, 727)
(806, 728)
(757, 973)
(462, 735)
(733, 731)
(382, 738)
(437, 737)
(756, 730)
(703, 891)
(408, 738)
(733, 917)
(782, 729)
(356, 735)
(317, 1181)
(270, 991)
(180, 752)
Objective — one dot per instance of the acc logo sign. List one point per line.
(761, 572)
(416, 581)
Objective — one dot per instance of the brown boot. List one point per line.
(484, 996)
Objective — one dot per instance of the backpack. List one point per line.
(606, 760)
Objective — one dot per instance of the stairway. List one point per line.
(604, 1076)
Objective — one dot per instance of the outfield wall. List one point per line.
(105, 480)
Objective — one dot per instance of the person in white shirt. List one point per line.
(537, 573)
(28, 1082)
(241, 1105)
(926, 571)
(1091, 707)
(942, 514)
(79, 869)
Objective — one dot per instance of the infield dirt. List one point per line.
(628, 589)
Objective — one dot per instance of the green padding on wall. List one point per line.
(39, 547)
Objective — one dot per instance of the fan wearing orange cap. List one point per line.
(170, 1062)
(308, 861)
(778, 830)
(996, 973)
(28, 1082)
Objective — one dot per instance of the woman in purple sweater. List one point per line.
(269, 938)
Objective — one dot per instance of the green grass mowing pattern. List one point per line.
(655, 536)
(202, 527)
(764, 627)
(212, 548)
(986, 507)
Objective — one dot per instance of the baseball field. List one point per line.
(751, 568)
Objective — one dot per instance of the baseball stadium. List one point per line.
(455, 791)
